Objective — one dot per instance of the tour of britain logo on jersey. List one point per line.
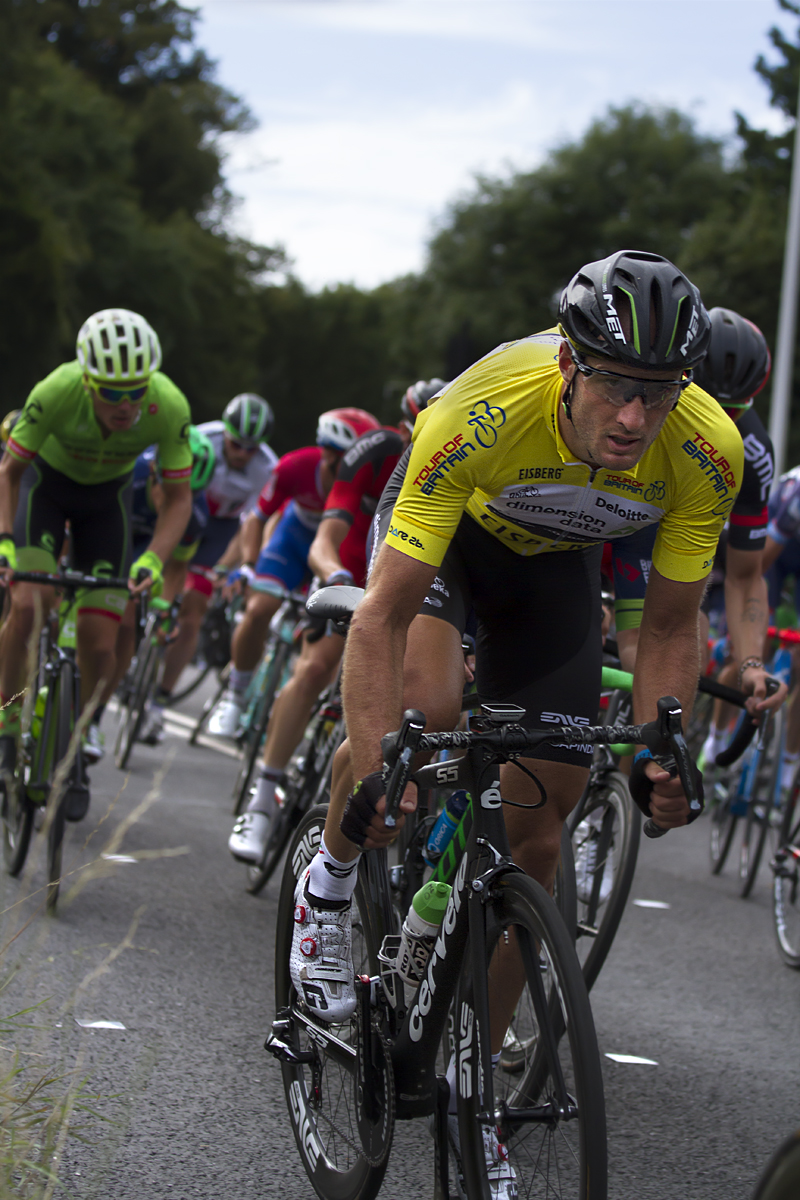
(624, 483)
(712, 463)
(486, 420)
(440, 463)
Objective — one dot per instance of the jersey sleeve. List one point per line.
(706, 489)
(34, 424)
(174, 453)
(451, 440)
(359, 471)
(748, 520)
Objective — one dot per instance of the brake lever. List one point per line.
(402, 747)
(667, 745)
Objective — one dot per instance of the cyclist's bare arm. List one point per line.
(373, 671)
(667, 664)
(11, 472)
(323, 557)
(747, 612)
(173, 517)
(250, 537)
(771, 551)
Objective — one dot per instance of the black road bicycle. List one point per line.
(49, 716)
(346, 1084)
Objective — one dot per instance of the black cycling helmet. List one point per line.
(738, 362)
(417, 396)
(668, 327)
(248, 419)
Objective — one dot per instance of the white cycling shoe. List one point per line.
(94, 744)
(224, 720)
(500, 1174)
(586, 864)
(321, 959)
(250, 835)
(153, 729)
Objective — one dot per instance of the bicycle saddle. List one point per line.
(334, 603)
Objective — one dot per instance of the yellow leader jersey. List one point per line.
(490, 446)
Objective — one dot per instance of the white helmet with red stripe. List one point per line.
(340, 427)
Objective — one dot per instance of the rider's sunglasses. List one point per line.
(241, 446)
(620, 390)
(113, 395)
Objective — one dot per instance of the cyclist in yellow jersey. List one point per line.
(517, 474)
(70, 457)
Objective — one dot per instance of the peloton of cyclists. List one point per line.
(71, 457)
(337, 555)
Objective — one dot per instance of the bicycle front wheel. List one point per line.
(56, 803)
(786, 883)
(548, 1097)
(131, 713)
(17, 822)
(606, 847)
(722, 826)
(762, 819)
(321, 1092)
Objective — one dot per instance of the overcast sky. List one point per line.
(373, 115)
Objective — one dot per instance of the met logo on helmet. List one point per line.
(612, 320)
(694, 321)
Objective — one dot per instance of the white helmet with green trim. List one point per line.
(118, 346)
(248, 419)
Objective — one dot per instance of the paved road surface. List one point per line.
(196, 1107)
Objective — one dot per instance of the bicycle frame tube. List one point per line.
(414, 1050)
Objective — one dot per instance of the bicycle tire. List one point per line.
(210, 704)
(18, 813)
(762, 807)
(786, 882)
(131, 713)
(565, 888)
(722, 827)
(781, 1177)
(326, 1140)
(57, 804)
(613, 842)
(254, 737)
(564, 1159)
(200, 677)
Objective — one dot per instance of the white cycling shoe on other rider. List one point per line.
(224, 720)
(321, 959)
(250, 835)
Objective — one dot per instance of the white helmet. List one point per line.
(118, 346)
(340, 427)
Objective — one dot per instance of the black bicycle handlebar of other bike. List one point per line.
(745, 733)
(72, 579)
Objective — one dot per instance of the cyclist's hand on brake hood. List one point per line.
(363, 823)
(8, 556)
(150, 562)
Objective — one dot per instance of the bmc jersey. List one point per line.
(784, 509)
(231, 492)
(297, 478)
(360, 479)
(490, 445)
(58, 423)
(748, 520)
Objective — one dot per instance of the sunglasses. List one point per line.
(620, 390)
(241, 446)
(113, 395)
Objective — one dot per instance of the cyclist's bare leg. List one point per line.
(433, 683)
(181, 651)
(125, 645)
(251, 632)
(16, 632)
(97, 651)
(314, 670)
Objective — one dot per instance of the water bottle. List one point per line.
(446, 825)
(38, 712)
(420, 929)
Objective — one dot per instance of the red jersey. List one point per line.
(360, 479)
(297, 477)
